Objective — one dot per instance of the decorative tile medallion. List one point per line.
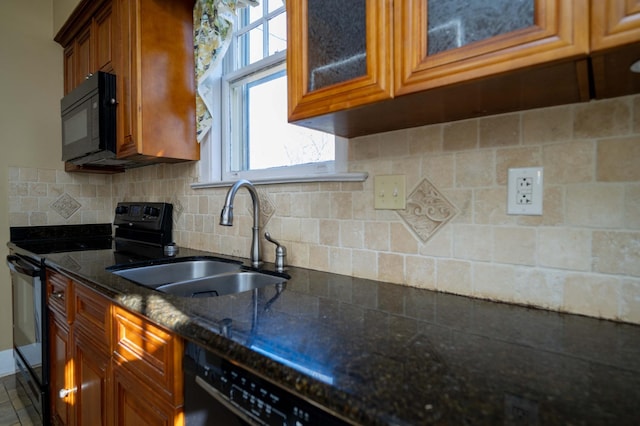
(267, 208)
(427, 210)
(65, 206)
(178, 208)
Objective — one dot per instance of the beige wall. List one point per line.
(30, 91)
(61, 11)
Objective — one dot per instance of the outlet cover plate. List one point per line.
(524, 191)
(390, 192)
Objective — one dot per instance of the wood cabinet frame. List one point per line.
(614, 23)
(560, 32)
(374, 86)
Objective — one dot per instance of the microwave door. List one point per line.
(77, 139)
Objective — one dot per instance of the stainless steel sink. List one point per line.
(221, 284)
(186, 269)
(197, 277)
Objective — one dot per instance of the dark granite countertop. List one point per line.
(381, 353)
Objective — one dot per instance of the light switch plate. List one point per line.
(524, 191)
(390, 192)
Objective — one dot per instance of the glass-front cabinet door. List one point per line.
(338, 55)
(442, 42)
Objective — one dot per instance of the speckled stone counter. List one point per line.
(380, 353)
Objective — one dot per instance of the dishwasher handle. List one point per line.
(20, 266)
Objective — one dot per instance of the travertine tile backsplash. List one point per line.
(581, 256)
(52, 197)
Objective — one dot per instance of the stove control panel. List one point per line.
(144, 222)
(143, 215)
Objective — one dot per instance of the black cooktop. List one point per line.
(62, 238)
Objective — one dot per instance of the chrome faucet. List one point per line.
(226, 216)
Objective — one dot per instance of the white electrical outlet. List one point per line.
(524, 191)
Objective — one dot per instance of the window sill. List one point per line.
(334, 177)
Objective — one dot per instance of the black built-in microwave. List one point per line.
(89, 121)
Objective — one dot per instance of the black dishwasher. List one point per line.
(219, 392)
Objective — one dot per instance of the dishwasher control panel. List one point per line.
(250, 397)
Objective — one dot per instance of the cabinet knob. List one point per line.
(63, 393)
(58, 294)
(88, 76)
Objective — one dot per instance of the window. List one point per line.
(255, 141)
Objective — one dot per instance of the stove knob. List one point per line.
(122, 210)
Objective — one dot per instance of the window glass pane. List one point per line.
(255, 12)
(274, 4)
(259, 136)
(278, 34)
(271, 141)
(250, 47)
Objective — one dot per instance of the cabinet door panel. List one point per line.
(104, 39)
(152, 354)
(551, 30)
(614, 23)
(136, 404)
(69, 69)
(62, 372)
(92, 368)
(330, 71)
(84, 56)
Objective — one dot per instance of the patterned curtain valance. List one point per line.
(212, 28)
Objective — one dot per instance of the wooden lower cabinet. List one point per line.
(108, 365)
(61, 372)
(92, 379)
(137, 404)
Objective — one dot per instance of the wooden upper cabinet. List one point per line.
(89, 49)
(439, 43)
(614, 23)
(148, 45)
(433, 61)
(337, 56)
(156, 82)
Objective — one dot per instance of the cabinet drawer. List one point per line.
(151, 353)
(92, 315)
(59, 288)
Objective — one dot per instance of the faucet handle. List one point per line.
(281, 253)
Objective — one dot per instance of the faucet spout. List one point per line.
(226, 216)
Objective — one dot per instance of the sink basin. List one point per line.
(185, 269)
(197, 277)
(221, 284)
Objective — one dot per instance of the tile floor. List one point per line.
(13, 410)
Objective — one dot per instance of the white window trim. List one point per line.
(212, 149)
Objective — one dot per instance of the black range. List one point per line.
(381, 353)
